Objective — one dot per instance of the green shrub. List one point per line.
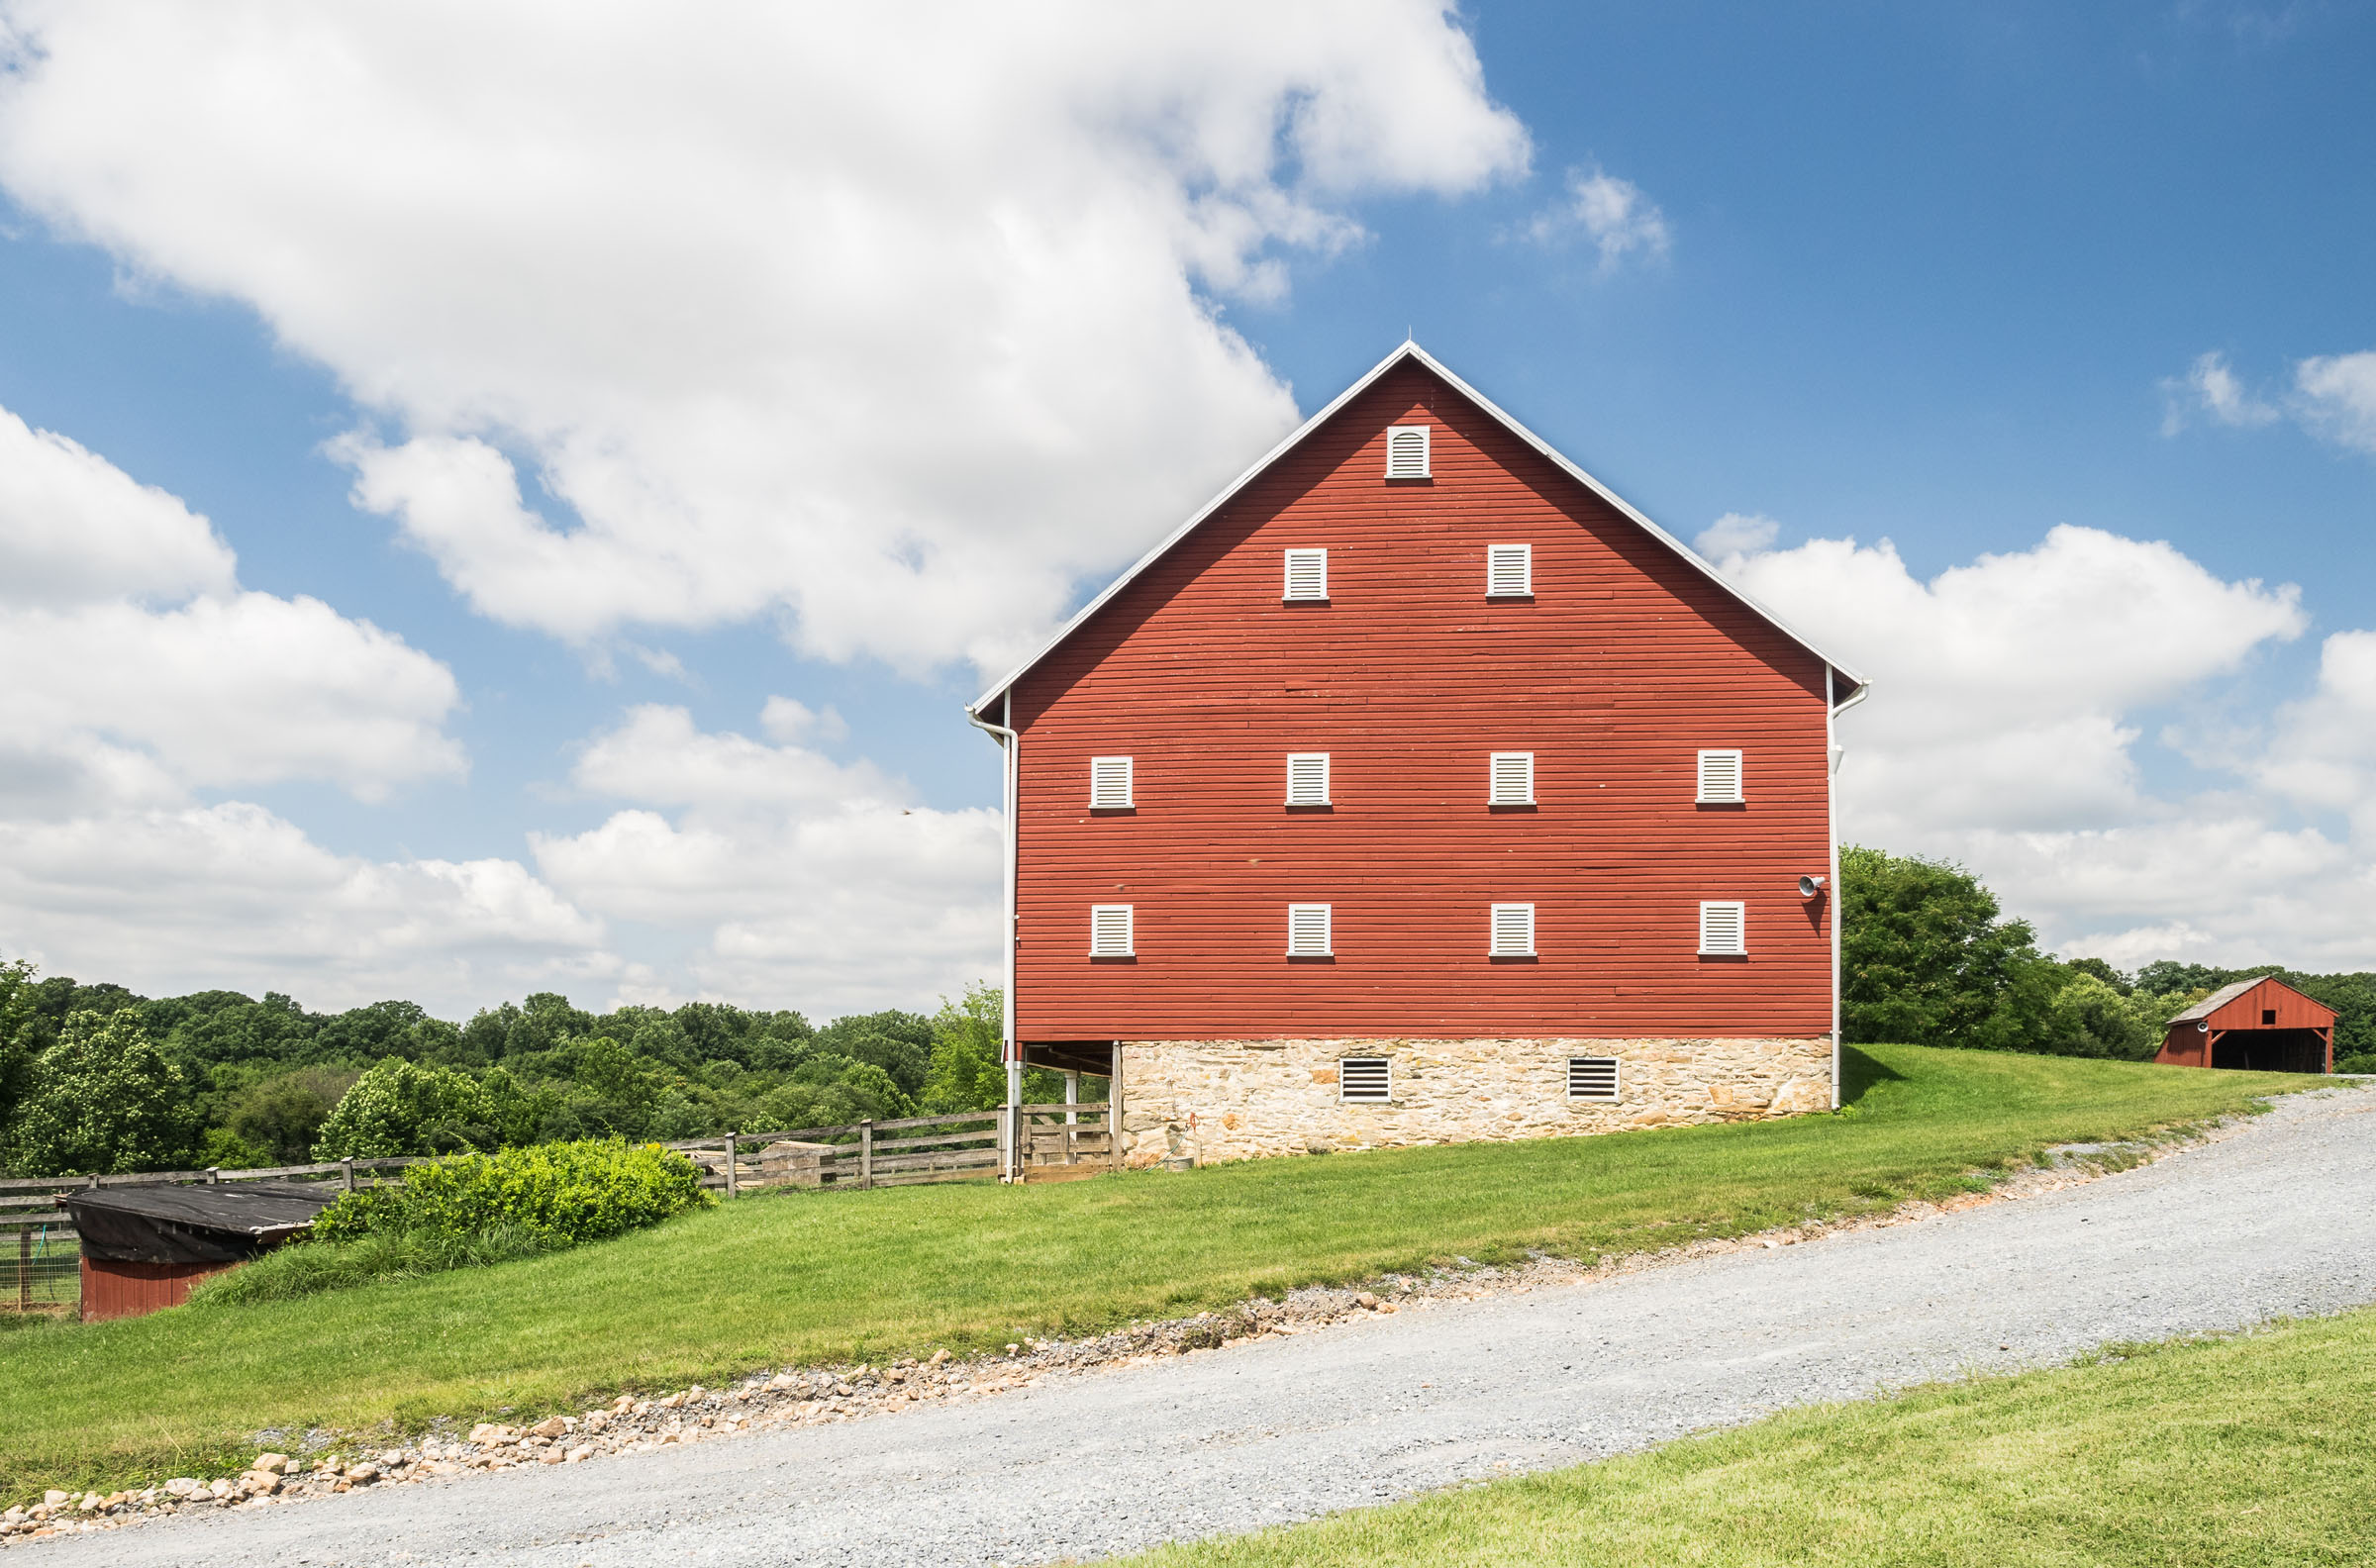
(559, 1194)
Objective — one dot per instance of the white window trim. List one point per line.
(1427, 451)
(1493, 780)
(1741, 781)
(1129, 930)
(1328, 931)
(1493, 938)
(1616, 1078)
(1525, 558)
(1321, 799)
(1287, 591)
(1129, 784)
(1741, 919)
(1345, 1099)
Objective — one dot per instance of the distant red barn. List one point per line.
(2261, 1025)
(1420, 789)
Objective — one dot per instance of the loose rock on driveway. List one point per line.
(2278, 1218)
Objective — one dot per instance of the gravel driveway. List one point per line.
(2279, 1219)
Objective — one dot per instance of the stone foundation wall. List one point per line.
(1225, 1100)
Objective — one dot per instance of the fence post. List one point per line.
(25, 1270)
(730, 1166)
(348, 1163)
(214, 1175)
(866, 1154)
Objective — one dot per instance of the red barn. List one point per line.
(2264, 1026)
(1420, 789)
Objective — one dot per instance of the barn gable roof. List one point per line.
(1412, 352)
(2229, 993)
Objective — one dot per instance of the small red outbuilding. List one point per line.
(2261, 1026)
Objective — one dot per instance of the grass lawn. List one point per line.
(821, 1277)
(2253, 1450)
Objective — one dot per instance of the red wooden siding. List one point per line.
(2259, 1013)
(112, 1289)
(1625, 663)
(2292, 1010)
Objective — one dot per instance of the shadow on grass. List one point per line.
(1859, 1072)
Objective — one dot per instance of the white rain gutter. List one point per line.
(1010, 743)
(1831, 756)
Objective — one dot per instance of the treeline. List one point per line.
(1928, 959)
(97, 1078)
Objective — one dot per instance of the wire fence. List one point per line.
(41, 1271)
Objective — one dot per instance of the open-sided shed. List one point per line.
(145, 1247)
(2259, 1026)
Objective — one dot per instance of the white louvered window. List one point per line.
(1509, 572)
(1110, 784)
(1365, 1079)
(1512, 776)
(1514, 931)
(1592, 1077)
(1724, 930)
(1720, 778)
(1307, 574)
(1110, 930)
(1407, 452)
(1308, 933)
(1306, 778)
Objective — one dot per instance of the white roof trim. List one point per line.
(1409, 350)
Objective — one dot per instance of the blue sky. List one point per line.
(1934, 275)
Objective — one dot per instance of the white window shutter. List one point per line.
(1509, 572)
(1306, 778)
(1592, 1077)
(1724, 930)
(1365, 1080)
(1512, 779)
(1721, 781)
(1110, 783)
(1110, 930)
(1307, 574)
(1514, 931)
(1407, 452)
(1308, 933)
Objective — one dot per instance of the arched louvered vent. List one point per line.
(1407, 452)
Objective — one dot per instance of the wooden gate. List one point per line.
(1063, 1142)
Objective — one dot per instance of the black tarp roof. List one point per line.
(173, 1222)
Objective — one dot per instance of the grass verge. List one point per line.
(2260, 1449)
(823, 1277)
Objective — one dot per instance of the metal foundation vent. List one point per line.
(1365, 1079)
(1592, 1077)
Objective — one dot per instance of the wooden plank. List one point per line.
(1085, 1108)
(986, 1159)
(943, 1140)
(26, 1222)
(1033, 1175)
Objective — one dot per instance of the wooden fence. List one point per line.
(33, 1200)
(1052, 1142)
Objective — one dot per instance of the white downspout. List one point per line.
(1010, 743)
(1831, 756)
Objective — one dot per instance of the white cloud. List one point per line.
(789, 722)
(2005, 724)
(884, 321)
(800, 881)
(2210, 390)
(1737, 534)
(2336, 398)
(1612, 213)
(138, 672)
